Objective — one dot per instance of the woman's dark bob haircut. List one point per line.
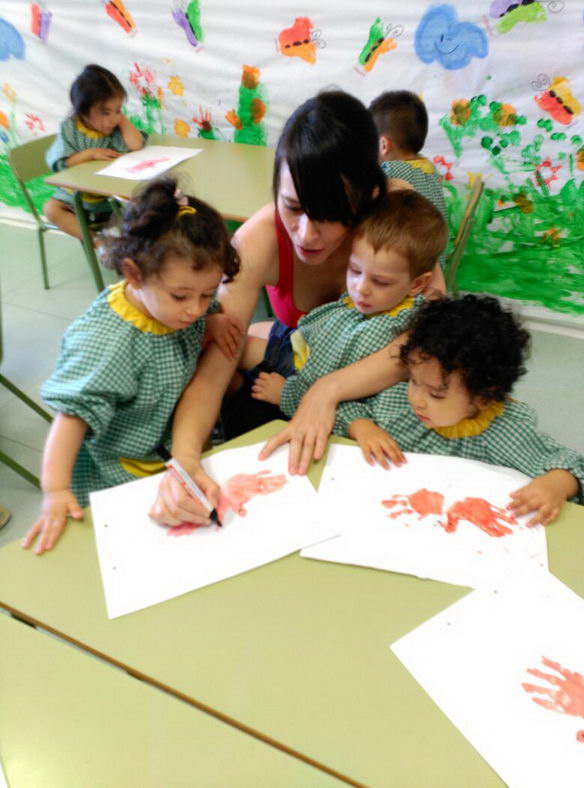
(331, 147)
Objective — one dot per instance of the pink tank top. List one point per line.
(282, 295)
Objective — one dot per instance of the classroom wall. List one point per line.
(503, 89)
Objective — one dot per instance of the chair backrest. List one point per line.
(28, 160)
(464, 231)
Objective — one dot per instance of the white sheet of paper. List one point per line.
(398, 539)
(472, 659)
(143, 563)
(150, 161)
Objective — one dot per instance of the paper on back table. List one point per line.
(472, 659)
(142, 563)
(352, 493)
(148, 162)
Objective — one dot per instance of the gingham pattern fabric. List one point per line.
(511, 439)
(74, 137)
(338, 335)
(124, 382)
(422, 174)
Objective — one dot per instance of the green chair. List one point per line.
(5, 458)
(463, 234)
(28, 162)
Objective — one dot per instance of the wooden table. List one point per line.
(68, 720)
(234, 178)
(296, 652)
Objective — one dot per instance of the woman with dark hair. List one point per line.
(326, 179)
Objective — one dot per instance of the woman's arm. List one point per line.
(61, 450)
(311, 425)
(200, 402)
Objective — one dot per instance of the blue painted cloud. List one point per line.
(11, 42)
(440, 36)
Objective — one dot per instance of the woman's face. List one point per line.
(314, 242)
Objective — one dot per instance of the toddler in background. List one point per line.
(124, 364)
(402, 124)
(394, 252)
(97, 129)
(463, 356)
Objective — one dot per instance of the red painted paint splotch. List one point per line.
(147, 164)
(566, 693)
(243, 487)
(421, 502)
(117, 11)
(490, 519)
(183, 529)
(297, 40)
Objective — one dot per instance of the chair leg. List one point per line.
(18, 468)
(87, 243)
(43, 257)
(27, 400)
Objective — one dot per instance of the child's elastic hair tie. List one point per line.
(183, 201)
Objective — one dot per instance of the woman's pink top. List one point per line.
(282, 295)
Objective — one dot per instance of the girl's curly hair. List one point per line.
(154, 227)
(473, 334)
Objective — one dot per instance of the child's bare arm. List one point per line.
(132, 136)
(61, 450)
(545, 495)
(376, 444)
(92, 154)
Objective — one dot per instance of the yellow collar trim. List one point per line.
(468, 428)
(119, 303)
(422, 164)
(407, 303)
(91, 133)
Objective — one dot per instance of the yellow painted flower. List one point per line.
(9, 92)
(460, 113)
(176, 86)
(181, 128)
(580, 158)
(506, 115)
(4, 120)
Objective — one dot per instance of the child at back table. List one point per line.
(463, 356)
(124, 363)
(391, 262)
(402, 124)
(96, 130)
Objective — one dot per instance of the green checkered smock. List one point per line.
(510, 438)
(423, 176)
(336, 335)
(122, 373)
(74, 137)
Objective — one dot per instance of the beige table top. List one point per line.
(297, 650)
(68, 720)
(234, 178)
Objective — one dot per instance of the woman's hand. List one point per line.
(174, 505)
(308, 431)
(56, 508)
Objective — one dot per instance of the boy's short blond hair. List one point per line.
(409, 224)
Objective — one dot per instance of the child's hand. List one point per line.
(545, 495)
(375, 443)
(56, 508)
(227, 332)
(103, 154)
(268, 387)
(174, 506)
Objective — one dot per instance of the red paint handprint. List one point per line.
(566, 694)
(481, 513)
(147, 164)
(241, 488)
(422, 502)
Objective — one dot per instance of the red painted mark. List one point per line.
(183, 529)
(421, 502)
(145, 165)
(566, 693)
(481, 513)
(241, 488)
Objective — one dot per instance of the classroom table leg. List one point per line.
(87, 241)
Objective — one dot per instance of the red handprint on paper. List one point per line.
(237, 491)
(481, 513)
(241, 488)
(566, 694)
(476, 511)
(422, 502)
(147, 164)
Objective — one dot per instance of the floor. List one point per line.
(34, 319)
